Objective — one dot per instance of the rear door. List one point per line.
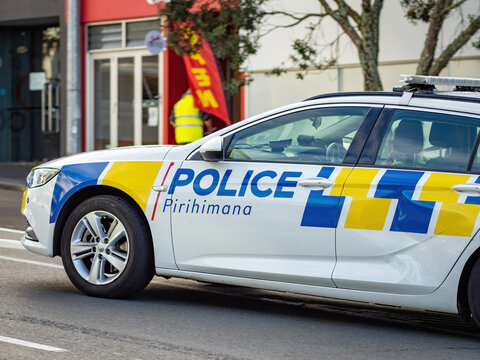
(411, 205)
(269, 210)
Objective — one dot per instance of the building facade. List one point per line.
(127, 93)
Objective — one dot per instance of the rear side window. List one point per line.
(417, 139)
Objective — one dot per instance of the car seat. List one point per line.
(454, 142)
(407, 144)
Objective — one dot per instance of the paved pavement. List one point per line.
(12, 175)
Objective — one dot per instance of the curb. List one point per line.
(12, 187)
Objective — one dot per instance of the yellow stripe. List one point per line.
(454, 219)
(135, 178)
(364, 213)
(339, 181)
(24, 198)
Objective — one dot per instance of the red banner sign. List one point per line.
(205, 84)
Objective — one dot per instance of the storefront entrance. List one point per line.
(124, 99)
(29, 93)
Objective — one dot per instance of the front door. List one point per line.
(125, 102)
(270, 209)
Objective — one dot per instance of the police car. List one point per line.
(371, 197)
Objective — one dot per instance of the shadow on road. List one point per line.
(203, 296)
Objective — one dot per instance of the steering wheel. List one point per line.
(335, 153)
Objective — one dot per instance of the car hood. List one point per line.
(133, 153)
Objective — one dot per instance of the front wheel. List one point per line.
(106, 248)
(474, 292)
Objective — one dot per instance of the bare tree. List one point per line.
(361, 25)
(435, 12)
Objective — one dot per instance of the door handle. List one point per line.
(316, 182)
(160, 188)
(467, 188)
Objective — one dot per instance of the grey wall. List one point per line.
(29, 11)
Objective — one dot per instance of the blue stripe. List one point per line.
(411, 215)
(322, 211)
(71, 179)
(473, 200)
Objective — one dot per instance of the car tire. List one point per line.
(106, 248)
(474, 292)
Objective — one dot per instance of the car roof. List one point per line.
(450, 95)
(445, 101)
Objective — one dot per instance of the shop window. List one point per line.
(136, 31)
(105, 36)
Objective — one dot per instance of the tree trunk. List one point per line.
(368, 50)
(371, 76)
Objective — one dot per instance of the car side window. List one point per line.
(315, 135)
(476, 161)
(417, 139)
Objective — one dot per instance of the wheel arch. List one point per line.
(462, 293)
(79, 197)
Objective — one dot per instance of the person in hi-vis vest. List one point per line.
(188, 120)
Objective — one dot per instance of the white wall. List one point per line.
(401, 43)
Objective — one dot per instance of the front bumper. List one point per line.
(36, 207)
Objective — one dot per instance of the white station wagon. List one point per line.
(370, 197)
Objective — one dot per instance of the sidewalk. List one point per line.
(13, 175)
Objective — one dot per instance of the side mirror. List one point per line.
(212, 150)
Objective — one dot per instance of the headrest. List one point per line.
(408, 137)
(445, 135)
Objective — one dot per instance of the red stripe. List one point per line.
(158, 195)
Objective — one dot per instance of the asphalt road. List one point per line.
(181, 319)
(10, 205)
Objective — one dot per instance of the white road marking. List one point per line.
(10, 244)
(30, 344)
(30, 262)
(12, 231)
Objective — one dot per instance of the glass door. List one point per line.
(102, 103)
(150, 103)
(124, 100)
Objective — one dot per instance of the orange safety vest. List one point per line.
(188, 122)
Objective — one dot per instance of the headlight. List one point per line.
(40, 176)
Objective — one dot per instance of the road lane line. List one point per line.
(30, 344)
(12, 231)
(11, 244)
(30, 262)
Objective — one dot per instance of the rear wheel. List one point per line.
(106, 248)
(474, 292)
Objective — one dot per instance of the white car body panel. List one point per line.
(272, 251)
(37, 212)
(242, 234)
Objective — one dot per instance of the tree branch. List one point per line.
(298, 19)
(454, 46)
(342, 5)
(437, 18)
(342, 20)
(453, 6)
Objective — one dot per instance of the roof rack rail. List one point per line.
(426, 84)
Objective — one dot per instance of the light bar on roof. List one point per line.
(440, 80)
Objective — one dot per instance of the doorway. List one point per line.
(29, 93)
(124, 102)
